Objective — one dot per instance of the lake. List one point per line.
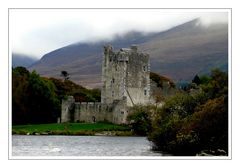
(23, 145)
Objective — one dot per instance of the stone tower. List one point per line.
(126, 82)
(125, 75)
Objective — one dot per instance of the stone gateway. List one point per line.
(126, 82)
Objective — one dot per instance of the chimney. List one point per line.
(134, 48)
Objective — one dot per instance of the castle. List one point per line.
(126, 82)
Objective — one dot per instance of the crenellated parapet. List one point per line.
(126, 82)
(126, 73)
(93, 111)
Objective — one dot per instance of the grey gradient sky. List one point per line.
(36, 32)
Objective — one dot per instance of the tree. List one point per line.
(140, 119)
(65, 75)
(217, 85)
(20, 77)
(33, 98)
(188, 124)
(37, 99)
(43, 102)
(204, 79)
(210, 123)
(196, 80)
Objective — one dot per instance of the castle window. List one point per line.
(112, 93)
(145, 92)
(122, 112)
(93, 119)
(112, 81)
(144, 68)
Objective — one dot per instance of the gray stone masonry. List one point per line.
(125, 73)
(126, 82)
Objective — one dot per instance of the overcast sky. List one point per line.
(36, 32)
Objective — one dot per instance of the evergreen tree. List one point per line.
(196, 80)
(65, 75)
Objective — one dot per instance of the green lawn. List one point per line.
(68, 128)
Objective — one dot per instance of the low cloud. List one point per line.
(39, 31)
(208, 19)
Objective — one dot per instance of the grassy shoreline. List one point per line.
(93, 129)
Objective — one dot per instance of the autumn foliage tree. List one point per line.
(38, 99)
(188, 124)
(65, 75)
(33, 98)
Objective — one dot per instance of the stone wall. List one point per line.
(120, 111)
(125, 73)
(68, 106)
(113, 75)
(94, 111)
(138, 78)
(126, 82)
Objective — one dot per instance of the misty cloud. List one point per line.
(38, 31)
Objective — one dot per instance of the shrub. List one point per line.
(140, 119)
(210, 122)
(187, 124)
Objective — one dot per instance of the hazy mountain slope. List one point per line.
(83, 61)
(22, 60)
(189, 49)
(179, 53)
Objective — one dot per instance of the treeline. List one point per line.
(191, 122)
(37, 100)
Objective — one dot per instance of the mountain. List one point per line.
(179, 53)
(22, 60)
(83, 61)
(188, 49)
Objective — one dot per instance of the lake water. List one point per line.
(81, 146)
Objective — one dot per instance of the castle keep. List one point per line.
(126, 82)
(125, 74)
